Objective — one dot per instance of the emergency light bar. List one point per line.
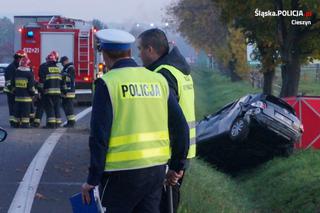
(30, 34)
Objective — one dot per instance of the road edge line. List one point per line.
(24, 196)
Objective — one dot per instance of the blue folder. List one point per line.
(79, 207)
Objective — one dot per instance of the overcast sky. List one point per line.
(105, 10)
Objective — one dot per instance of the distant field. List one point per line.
(281, 185)
(309, 82)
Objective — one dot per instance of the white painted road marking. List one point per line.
(23, 199)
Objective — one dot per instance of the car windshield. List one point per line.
(2, 70)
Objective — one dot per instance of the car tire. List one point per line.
(239, 130)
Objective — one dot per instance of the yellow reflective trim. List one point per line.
(192, 132)
(142, 137)
(23, 99)
(52, 120)
(71, 117)
(70, 95)
(25, 120)
(21, 83)
(53, 91)
(54, 70)
(53, 78)
(136, 155)
(6, 90)
(192, 151)
(37, 120)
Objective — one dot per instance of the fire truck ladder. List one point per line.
(83, 52)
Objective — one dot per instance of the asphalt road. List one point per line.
(63, 174)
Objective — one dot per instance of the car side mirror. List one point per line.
(3, 134)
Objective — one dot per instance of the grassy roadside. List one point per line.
(212, 91)
(285, 185)
(281, 185)
(206, 190)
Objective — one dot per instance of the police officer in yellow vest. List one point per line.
(155, 55)
(133, 114)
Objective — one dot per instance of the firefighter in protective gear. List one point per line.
(39, 102)
(50, 76)
(68, 95)
(24, 90)
(130, 159)
(9, 72)
(155, 55)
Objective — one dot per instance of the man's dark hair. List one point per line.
(155, 38)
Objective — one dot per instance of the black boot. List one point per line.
(50, 126)
(70, 124)
(25, 126)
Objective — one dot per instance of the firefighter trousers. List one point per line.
(67, 105)
(32, 113)
(22, 113)
(10, 99)
(39, 111)
(52, 108)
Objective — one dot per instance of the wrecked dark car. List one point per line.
(248, 132)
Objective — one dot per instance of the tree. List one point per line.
(199, 22)
(279, 40)
(297, 43)
(6, 39)
(98, 25)
(258, 31)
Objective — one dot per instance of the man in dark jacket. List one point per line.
(155, 55)
(68, 95)
(50, 76)
(9, 72)
(23, 89)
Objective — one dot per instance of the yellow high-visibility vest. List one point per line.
(139, 134)
(186, 102)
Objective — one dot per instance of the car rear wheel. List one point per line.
(239, 130)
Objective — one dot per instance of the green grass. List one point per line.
(309, 85)
(281, 185)
(285, 185)
(212, 91)
(206, 190)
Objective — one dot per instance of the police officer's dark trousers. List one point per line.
(133, 191)
(52, 107)
(22, 113)
(67, 105)
(10, 99)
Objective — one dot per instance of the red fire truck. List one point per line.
(39, 35)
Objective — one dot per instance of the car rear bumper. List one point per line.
(277, 127)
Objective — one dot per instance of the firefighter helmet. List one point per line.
(56, 55)
(20, 54)
(53, 56)
(24, 62)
